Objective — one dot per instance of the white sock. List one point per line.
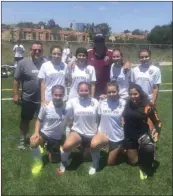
(64, 160)
(95, 162)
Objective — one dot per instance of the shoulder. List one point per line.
(90, 50)
(154, 68)
(95, 101)
(25, 61)
(90, 67)
(45, 64)
(122, 102)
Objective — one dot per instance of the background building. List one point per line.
(78, 26)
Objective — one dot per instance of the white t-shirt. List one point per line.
(77, 75)
(146, 77)
(53, 120)
(19, 50)
(111, 119)
(117, 74)
(65, 54)
(84, 114)
(53, 75)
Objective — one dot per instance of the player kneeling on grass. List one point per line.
(138, 140)
(83, 110)
(110, 130)
(51, 122)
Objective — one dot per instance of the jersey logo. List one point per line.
(92, 103)
(87, 71)
(150, 72)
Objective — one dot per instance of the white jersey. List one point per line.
(53, 75)
(78, 74)
(65, 54)
(123, 79)
(19, 50)
(146, 77)
(53, 120)
(111, 119)
(84, 114)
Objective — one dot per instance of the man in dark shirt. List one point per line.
(26, 75)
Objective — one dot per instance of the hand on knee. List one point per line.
(34, 141)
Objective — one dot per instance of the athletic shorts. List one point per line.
(29, 109)
(114, 145)
(52, 145)
(86, 141)
(18, 58)
(130, 143)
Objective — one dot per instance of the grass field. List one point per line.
(117, 180)
(130, 52)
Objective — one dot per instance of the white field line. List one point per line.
(8, 99)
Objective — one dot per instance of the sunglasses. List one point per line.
(142, 57)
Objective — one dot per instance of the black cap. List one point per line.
(99, 37)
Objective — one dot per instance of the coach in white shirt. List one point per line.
(53, 72)
(84, 112)
(81, 72)
(146, 75)
(110, 130)
(19, 51)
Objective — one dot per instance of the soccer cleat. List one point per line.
(143, 176)
(37, 167)
(63, 166)
(21, 145)
(92, 171)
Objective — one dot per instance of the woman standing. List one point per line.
(138, 141)
(53, 72)
(110, 131)
(83, 110)
(81, 72)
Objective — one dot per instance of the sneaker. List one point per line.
(92, 171)
(21, 145)
(143, 176)
(63, 166)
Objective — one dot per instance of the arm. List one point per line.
(14, 48)
(43, 87)
(92, 89)
(155, 93)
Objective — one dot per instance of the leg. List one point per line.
(115, 150)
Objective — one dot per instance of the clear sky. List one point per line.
(119, 15)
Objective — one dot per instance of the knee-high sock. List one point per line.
(64, 156)
(95, 158)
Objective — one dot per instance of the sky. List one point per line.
(119, 15)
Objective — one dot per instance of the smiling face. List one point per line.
(117, 57)
(134, 96)
(112, 92)
(36, 51)
(81, 58)
(84, 91)
(56, 55)
(57, 97)
(144, 57)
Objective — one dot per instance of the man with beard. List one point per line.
(26, 75)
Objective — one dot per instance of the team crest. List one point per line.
(150, 72)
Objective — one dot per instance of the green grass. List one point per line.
(117, 180)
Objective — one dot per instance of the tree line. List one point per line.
(158, 35)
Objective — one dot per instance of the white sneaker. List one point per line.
(63, 167)
(92, 171)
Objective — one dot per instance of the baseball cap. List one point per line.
(99, 37)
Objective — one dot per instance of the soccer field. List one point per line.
(122, 179)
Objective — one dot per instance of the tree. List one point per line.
(126, 31)
(51, 24)
(41, 23)
(71, 25)
(161, 34)
(136, 32)
(103, 28)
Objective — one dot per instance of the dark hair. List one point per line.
(145, 50)
(143, 95)
(55, 46)
(113, 83)
(58, 87)
(38, 43)
(81, 50)
(117, 49)
(83, 82)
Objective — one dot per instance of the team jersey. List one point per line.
(84, 113)
(53, 75)
(123, 79)
(19, 50)
(102, 68)
(111, 119)
(136, 119)
(53, 120)
(146, 77)
(80, 74)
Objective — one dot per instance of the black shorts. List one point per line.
(52, 145)
(114, 145)
(130, 143)
(29, 109)
(18, 58)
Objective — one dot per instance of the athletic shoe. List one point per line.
(36, 168)
(21, 145)
(63, 166)
(143, 176)
(92, 171)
